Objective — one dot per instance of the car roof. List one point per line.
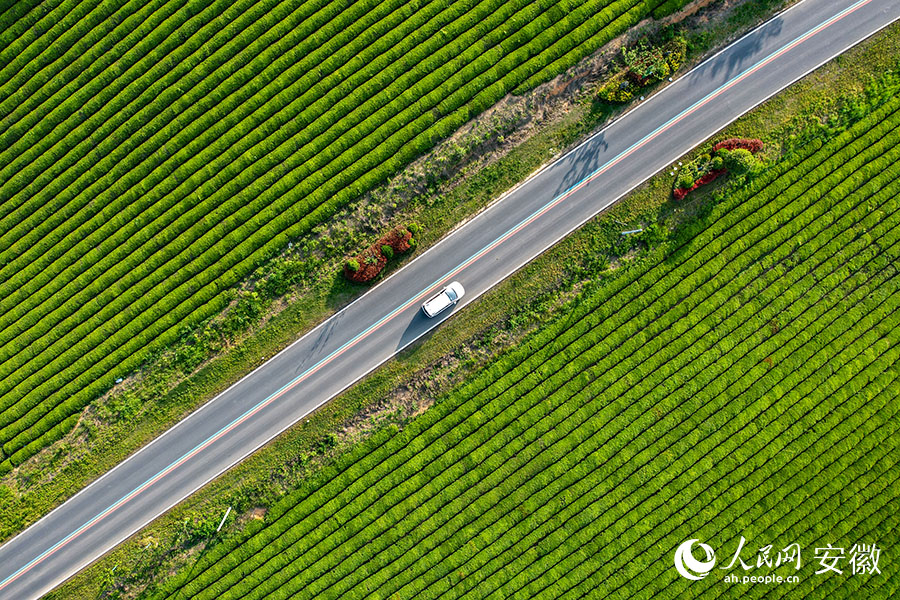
(439, 302)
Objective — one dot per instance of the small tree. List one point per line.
(387, 252)
(353, 265)
(740, 161)
(685, 180)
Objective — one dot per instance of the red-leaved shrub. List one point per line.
(753, 145)
(731, 144)
(680, 193)
(397, 239)
(371, 260)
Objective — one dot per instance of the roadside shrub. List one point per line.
(740, 161)
(372, 260)
(733, 155)
(753, 145)
(685, 180)
(617, 89)
(397, 240)
(645, 63)
(653, 235)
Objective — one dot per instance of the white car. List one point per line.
(444, 299)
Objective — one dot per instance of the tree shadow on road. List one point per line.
(581, 162)
(725, 66)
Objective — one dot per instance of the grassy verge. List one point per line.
(821, 102)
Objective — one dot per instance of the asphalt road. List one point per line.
(527, 220)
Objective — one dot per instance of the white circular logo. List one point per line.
(687, 565)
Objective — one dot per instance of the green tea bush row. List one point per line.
(24, 57)
(93, 275)
(153, 92)
(17, 18)
(734, 423)
(176, 232)
(692, 364)
(579, 576)
(184, 102)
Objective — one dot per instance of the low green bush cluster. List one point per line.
(707, 166)
(643, 64)
(695, 169)
(738, 161)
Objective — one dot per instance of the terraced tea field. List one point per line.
(740, 381)
(152, 154)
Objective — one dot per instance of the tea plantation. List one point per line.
(742, 380)
(153, 153)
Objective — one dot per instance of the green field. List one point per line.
(739, 381)
(152, 154)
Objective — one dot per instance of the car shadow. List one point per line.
(419, 324)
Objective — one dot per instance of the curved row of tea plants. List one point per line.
(740, 381)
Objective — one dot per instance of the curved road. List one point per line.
(527, 220)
